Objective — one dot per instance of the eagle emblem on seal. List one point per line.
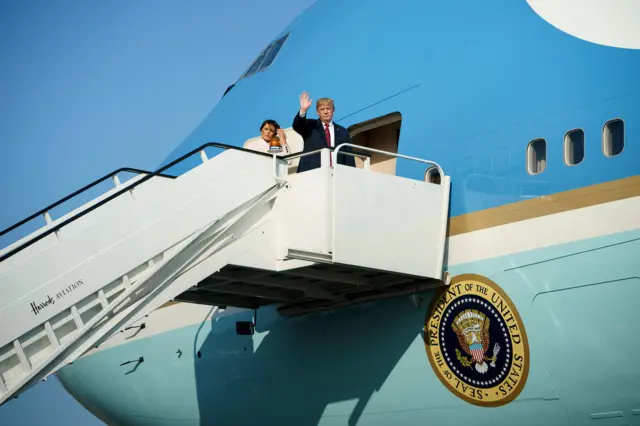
(472, 329)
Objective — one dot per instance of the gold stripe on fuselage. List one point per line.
(549, 204)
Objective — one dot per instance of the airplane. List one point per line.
(528, 114)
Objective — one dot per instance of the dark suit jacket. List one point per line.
(313, 134)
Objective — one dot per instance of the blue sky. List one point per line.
(88, 87)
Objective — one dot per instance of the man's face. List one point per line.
(325, 112)
(268, 131)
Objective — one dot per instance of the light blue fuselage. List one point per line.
(475, 82)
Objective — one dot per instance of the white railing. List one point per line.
(390, 154)
(324, 160)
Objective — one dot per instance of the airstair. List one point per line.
(239, 229)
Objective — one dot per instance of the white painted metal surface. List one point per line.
(379, 204)
(371, 210)
(54, 292)
(69, 292)
(307, 211)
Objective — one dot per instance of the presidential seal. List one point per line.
(476, 342)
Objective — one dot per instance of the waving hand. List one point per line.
(305, 102)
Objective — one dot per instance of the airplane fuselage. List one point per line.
(538, 130)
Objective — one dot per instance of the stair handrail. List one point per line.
(365, 157)
(76, 193)
(127, 188)
(390, 154)
(327, 148)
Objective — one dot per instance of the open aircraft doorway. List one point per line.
(381, 133)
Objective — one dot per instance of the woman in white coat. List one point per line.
(274, 139)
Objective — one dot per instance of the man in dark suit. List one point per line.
(320, 133)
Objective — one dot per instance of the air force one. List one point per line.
(479, 265)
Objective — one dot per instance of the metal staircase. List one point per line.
(237, 230)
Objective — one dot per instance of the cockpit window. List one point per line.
(266, 57)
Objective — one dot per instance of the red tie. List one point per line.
(328, 136)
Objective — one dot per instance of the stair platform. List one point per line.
(302, 290)
(236, 230)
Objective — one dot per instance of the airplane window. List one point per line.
(536, 156)
(266, 57)
(273, 52)
(255, 67)
(613, 137)
(574, 147)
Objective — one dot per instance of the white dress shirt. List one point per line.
(332, 133)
